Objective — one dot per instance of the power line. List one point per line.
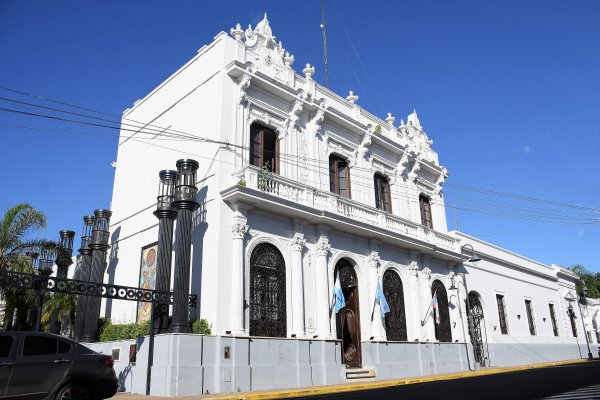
(286, 157)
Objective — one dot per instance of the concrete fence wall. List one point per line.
(186, 364)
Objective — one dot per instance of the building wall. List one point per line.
(218, 95)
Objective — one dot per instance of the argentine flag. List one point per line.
(339, 295)
(383, 304)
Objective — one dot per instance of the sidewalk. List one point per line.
(347, 387)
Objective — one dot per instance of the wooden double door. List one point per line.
(348, 318)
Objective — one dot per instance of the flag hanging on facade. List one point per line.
(383, 304)
(434, 304)
(339, 295)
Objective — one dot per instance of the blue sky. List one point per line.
(509, 91)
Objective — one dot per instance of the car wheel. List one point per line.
(73, 391)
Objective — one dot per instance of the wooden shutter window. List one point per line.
(383, 198)
(425, 206)
(339, 176)
(264, 148)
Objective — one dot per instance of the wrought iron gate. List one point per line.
(477, 324)
(395, 320)
(267, 292)
(443, 331)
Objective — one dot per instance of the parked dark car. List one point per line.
(45, 366)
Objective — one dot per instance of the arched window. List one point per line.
(264, 148)
(443, 331)
(348, 317)
(395, 320)
(267, 292)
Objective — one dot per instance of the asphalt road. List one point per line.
(530, 384)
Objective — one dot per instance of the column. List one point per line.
(238, 231)
(413, 303)
(427, 327)
(377, 322)
(297, 285)
(164, 256)
(323, 294)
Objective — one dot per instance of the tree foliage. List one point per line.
(587, 279)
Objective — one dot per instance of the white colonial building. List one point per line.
(297, 184)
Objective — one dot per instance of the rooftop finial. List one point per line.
(264, 28)
(352, 98)
(413, 119)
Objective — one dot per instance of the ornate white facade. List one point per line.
(246, 80)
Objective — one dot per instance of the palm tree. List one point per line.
(16, 225)
(587, 279)
(60, 306)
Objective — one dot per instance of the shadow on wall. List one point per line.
(113, 260)
(199, 228)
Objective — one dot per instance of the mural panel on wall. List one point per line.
(147, 278)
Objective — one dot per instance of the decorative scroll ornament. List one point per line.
(243, 86)
(439, 184)
(323, 247)
(415, 168)
(374, 259)
(314, 125)
(426, 273)
(296, 111)
(239, 229)
(298, 242)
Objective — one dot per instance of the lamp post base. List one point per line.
(179, 328)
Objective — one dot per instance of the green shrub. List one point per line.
(124, 331)
(200, 326)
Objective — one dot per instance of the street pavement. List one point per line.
(529, 384)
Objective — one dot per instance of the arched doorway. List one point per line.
(443, 331)
(395, 320)
(267, 292)
(478, 324)
(348, 318)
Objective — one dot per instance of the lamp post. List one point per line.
(166, 214)
(473, 258)
(31, 315)
(63, 259)
(587, 340)
(84, 274)
(99, 245)
(45, 270)
(185, 203)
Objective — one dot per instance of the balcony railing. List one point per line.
(291, 190)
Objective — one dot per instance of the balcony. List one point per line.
(287, 197)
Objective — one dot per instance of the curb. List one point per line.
(288, 393)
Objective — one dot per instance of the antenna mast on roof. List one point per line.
(324, 29)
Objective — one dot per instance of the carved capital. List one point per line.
(374, 259)
(298, 242)
(322, 247)
(425, 273)
(413, 268)
(239, 229)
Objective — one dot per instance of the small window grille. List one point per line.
(530, 317)
(502, 314)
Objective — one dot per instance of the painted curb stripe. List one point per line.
(388, 383)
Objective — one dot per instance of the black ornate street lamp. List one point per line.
(84, 274)
(581, 299)
(32, 314)
(99, 245)
(63, 259)
(47, 258)
(166, 214)
(185, 203)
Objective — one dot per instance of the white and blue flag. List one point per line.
(383, 304)
(339, 295)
